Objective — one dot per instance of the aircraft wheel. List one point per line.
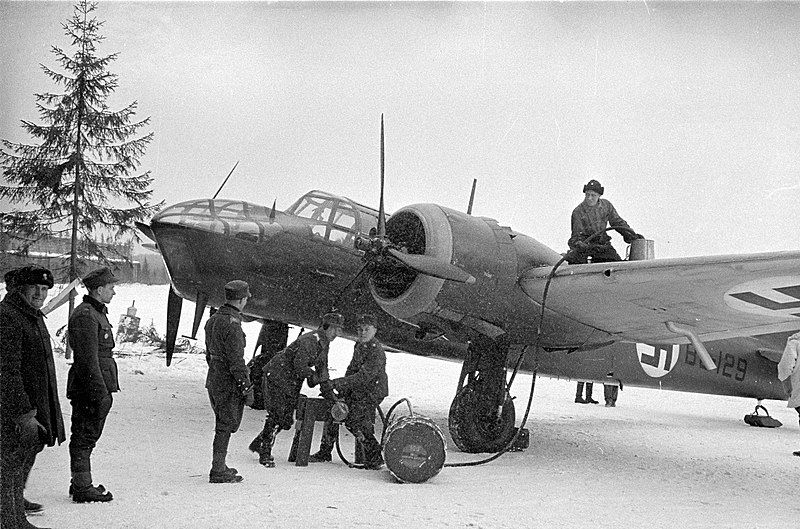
(473, 425)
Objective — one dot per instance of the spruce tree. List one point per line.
(79, 178)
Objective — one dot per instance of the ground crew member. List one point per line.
(31, 413)
(789, 373)
(362, 388)
(228, 380)
(589, 220)
(91, 381)
(304, 359)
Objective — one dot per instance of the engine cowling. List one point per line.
(477, 245)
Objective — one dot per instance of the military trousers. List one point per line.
(88, 421)
(228, 406)
(17, 461)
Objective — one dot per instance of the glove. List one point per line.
(326, 390)
(249, 397)
(629, 236)
(582, 245)
(29, 429)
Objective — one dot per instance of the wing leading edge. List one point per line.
(717, 297)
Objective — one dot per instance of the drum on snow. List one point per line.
(414, 449)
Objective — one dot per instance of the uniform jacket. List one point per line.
(366, 374)
(789, 369)
(28, 373)
(306, 357)
(588, 220)
(93, 374)
(225, 343)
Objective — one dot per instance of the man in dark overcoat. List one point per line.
(29, 409)
(305, 359)
(228, 379)
(91, 381)
(363, 387)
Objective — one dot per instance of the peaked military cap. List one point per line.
(30, 275)
(593, 185)
(333, 318)
(237, 289)
(99, 277)
(368, 319)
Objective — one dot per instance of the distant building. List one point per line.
(53, 253)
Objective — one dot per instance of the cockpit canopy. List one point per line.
(334, 218)
(339, 219)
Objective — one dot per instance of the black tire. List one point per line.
(472, 425)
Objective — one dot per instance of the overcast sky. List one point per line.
(688, 113)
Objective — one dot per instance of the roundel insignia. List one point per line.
(778, 297)
(657, 361)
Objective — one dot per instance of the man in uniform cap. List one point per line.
(228, 380)
(304, 359)
(31, 413)
(91, 381)
(362, 388)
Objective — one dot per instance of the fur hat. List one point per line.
(593, 185)
(31, 275)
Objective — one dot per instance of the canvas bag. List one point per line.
(764, 421)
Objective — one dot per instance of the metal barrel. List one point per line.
(414, 449)
(642, 250)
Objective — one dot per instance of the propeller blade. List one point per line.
(381, 212)
(432, 267)
(146, 230)
(174, 303)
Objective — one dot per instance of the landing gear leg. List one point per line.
(482, 414)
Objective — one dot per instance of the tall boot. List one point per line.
(255, 444)
(220, 473)
(373, 460)
(579, 394)
(30, 459)
(329, 434)
(589, 399)
(267, 441)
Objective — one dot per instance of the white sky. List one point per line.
(688, 113)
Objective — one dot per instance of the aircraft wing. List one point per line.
(718, 296)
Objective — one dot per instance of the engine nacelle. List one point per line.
(477, 245)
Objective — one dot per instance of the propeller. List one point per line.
(378, 247)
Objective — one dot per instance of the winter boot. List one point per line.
(268, 440)
(255, 444)
(84, 492)
(372, 453)
(224, 477)
(579, 394)
(329, 435)
(589, 399)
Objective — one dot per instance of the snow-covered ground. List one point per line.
(659, 459)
